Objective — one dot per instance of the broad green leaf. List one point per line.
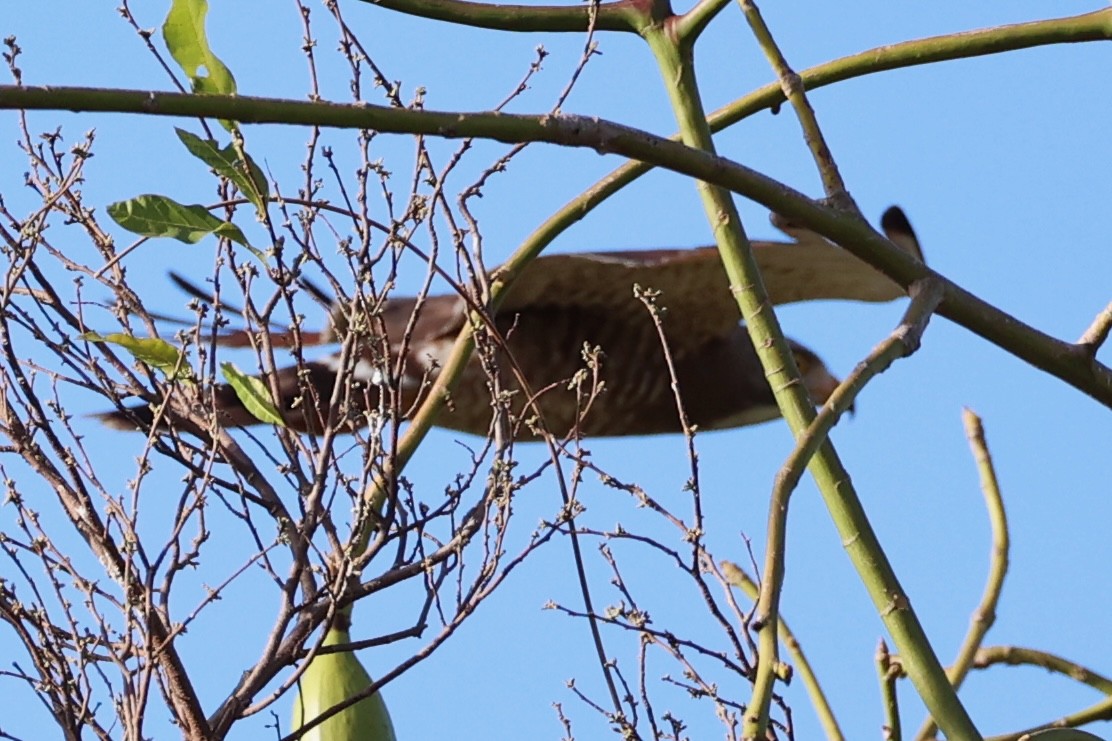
(226, 161)
(158, 216)
(184, 32)
(154, 352)
(253, 394)
(329, 680)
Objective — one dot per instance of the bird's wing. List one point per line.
(437, 318)
(812, 268)
(693, 284)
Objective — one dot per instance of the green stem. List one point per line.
(1071, 363)
(985, 614)
(791, 85)
(1020, 656)
(1097, 333)
(675, 60)
(1028, 656)
(676, 64)
(888, 674)
(1096, 26)
(738, 578)
(614, 16)
(689, 25)
(901, 343)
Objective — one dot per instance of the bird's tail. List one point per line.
(301, 395)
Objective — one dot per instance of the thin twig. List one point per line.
(1097, 332)
(888, 673)
(792, 86)
(800, 664)
(985, 614)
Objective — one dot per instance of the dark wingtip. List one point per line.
(129, 419)
(205, 297)
(895, 220)
(898, 229)
(319, 294)
(189, 287)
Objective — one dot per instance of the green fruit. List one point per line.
(329, 680)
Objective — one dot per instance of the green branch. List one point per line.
(737, 577)
(1094, 26)
(888, 672)
(675, 60)
(900, 343)
(1020, 656)
(985, 614)
(791, 85)
(1097, 333)
(689, 25)
(616, 16)
(1066, 361)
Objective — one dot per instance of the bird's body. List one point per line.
(561, 305)
(719, 379)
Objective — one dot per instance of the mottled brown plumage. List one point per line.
(561, 303)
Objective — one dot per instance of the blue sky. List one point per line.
(1002, 164)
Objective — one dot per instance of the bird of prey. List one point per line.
(562, 303)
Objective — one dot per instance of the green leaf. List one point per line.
(248, 177)
(158, 216)
(184, 31)
(154, 352)
(329, 680)
(253, 394)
